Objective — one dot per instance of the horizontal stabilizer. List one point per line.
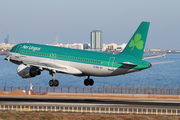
(155, 56)
(127, 64)
(162, 62)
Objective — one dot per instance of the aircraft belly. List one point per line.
(122, 71)
(96, 70)
(93, 70)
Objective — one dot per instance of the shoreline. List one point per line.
(3, 53)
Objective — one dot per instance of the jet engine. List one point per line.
(28, 72)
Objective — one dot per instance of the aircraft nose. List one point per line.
(7, 56)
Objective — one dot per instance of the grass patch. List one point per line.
(16, 115)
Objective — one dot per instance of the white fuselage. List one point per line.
(69, 67)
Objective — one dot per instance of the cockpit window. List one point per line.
(11, 49)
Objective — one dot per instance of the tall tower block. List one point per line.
(96, 40)
(6, 39)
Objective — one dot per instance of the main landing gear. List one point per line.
(88, 81)
(53, 82)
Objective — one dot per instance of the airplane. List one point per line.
(34, 58)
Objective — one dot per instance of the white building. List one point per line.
(155, 50)
(121, 47)
(104, 47)
(75, 46)
(112, 46)
(6, 47)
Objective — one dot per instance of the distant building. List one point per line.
(75, 46)
(6, 47)
(6, 39)
(112, 46)
(121, 47)
(86, 46)
(155, 50)
(96, 40)
(104, 47)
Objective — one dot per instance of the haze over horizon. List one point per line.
(41, 21)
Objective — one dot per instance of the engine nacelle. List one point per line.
(27, 72)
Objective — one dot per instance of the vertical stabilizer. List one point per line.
(136, 45)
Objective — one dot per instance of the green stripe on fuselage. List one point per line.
(76, 55)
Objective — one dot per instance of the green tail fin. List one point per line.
(136, 45)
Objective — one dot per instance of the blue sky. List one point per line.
(39, 21)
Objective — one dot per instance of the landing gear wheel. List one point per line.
(51, 83)
(56, 83)
(91, 82)
(86, 82)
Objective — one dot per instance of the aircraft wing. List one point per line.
(49, 65)
(155, 56)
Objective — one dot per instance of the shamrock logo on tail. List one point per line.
(137, 42)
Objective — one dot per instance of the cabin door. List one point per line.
(110, 64)
(53, 56)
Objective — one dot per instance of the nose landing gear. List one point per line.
(88, 81)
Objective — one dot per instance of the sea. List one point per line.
(165, 75)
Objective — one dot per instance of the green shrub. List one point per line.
(4, 116)
(112, 117)
(29, 117)
(83, 113)
(60, 111)
(16, 116)
(46, 116)
(128, 118)
(119, 119)
(173, 118)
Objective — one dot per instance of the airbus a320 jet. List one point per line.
(34, 58)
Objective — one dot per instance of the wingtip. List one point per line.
(145, 22)
(164, 56)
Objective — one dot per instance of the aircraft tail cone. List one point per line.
(150, 65)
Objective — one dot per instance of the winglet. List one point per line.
(164, 56)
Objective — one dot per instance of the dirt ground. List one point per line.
(19, 92)
(2, 93)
